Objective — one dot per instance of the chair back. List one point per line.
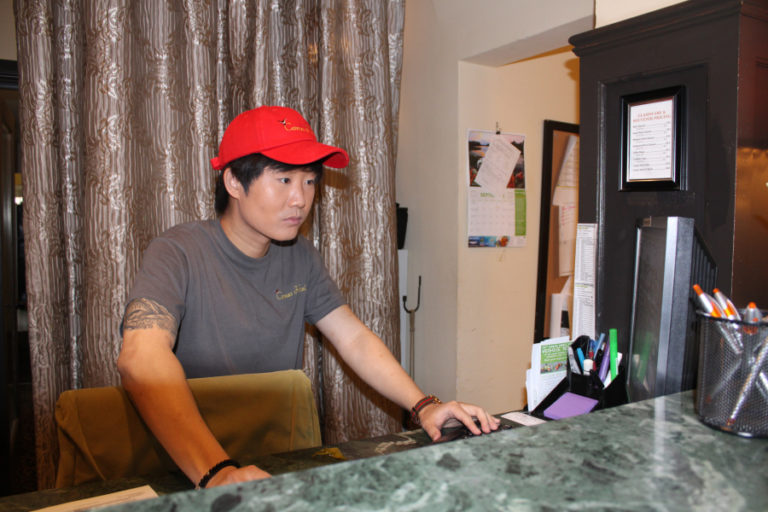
(102, 437)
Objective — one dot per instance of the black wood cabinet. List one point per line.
(716, 52)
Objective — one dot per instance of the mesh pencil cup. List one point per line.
(732, 392)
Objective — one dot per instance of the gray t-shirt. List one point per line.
(236, 314)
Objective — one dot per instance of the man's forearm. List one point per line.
(156, 383)
(369, 358)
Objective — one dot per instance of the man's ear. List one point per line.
(232, 184)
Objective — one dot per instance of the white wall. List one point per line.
(611, 11)
(475, 325)
(497, 287)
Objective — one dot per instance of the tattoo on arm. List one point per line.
(146, 314)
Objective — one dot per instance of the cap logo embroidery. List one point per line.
(290, 127)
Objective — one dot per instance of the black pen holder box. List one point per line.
(587, 385)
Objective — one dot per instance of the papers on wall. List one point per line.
(566, 199)
(548, 360)
(584, 282)
(496, 200)
(497, 165)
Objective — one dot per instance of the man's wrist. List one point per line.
(215, 470)
(421, 405)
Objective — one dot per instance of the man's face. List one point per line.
(276, 204)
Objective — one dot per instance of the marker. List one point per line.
(613, 350)
(707, 303)
(752, 314)
(726, 305)
(602, 373)
(580, 355)
(600, 355)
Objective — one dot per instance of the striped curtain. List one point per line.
(123, 102)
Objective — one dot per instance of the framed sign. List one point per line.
(652, 139)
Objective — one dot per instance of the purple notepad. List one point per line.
(570, 404)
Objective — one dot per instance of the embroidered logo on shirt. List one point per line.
(297, 289)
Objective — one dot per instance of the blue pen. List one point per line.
(600, 339)
(580, 354)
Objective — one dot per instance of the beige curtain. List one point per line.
(122, 105)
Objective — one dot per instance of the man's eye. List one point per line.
(285, 180)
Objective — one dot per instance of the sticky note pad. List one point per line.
(570, 404)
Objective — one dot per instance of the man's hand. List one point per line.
(231, 475)
(434, 416)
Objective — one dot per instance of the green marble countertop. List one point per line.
(650, 455)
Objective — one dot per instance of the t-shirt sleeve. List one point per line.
(163, 277)
(324, 296)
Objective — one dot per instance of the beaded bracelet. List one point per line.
(215, 469)
(421, 404)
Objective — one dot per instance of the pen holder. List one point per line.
(732, 392)
(587, 385)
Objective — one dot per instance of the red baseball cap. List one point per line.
(279, 133)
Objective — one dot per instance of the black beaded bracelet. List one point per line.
(215, 469)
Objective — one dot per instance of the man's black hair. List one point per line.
(248, 168)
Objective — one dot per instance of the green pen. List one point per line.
(613, 351)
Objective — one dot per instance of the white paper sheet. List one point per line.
(558, 304)
(584, 282)
(566, 199)
(523, 419)
(566, 239)
(497, 166)
(136, 494)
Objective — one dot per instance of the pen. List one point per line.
(599, 355)
(707, 303)
(613, 350)
(752, 314)
(750, 382)
(711, 308)
(726, 305)
(599, 342)
(602, 372)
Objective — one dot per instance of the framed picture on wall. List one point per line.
(652, 139)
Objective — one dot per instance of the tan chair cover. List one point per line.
(102, 437)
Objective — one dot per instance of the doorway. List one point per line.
(17, 425)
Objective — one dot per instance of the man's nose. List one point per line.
(298, 198)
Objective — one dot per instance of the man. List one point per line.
(231, 295)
